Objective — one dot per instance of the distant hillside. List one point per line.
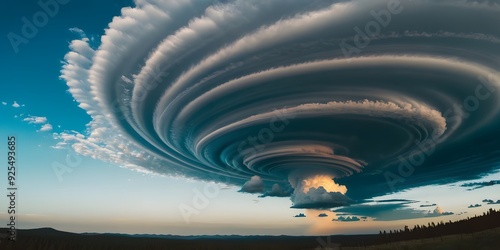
(464, 231)
(50, 239)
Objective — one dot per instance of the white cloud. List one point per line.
(4, 103)
(35, 119)
(125, 79)
(317, 191)
(101, 144)
(39, 120)
(45, 127)
(16, 105)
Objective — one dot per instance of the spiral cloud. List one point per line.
(293, 95)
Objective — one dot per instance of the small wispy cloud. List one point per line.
(45, 127)
(4, 103)
(35, 119)
(39, 120)
(127, 80)
(16, 105)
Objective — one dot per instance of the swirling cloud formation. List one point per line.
(292, 90)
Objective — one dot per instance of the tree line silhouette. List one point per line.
(488, 220)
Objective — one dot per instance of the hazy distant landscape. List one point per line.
(51, 239)
(480, 232)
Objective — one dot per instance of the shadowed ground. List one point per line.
(50, 239)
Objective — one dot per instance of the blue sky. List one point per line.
(152, 172)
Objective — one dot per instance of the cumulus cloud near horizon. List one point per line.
(317, 191)
(35, 119)
(438, 212)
